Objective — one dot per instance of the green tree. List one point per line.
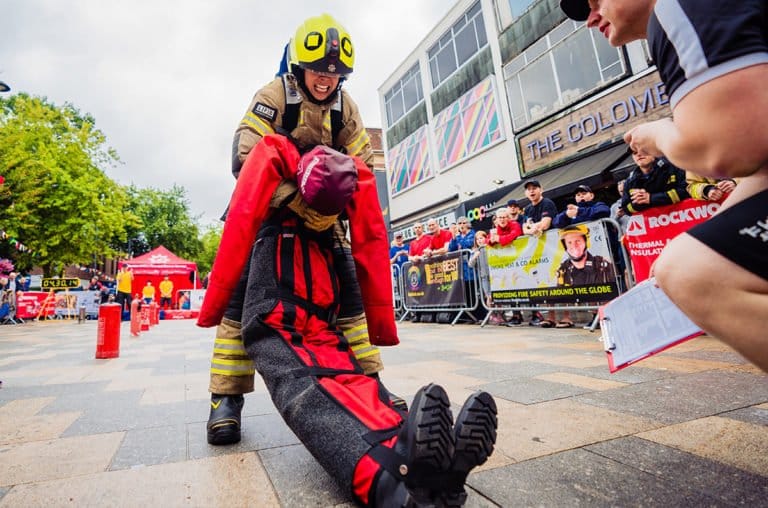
(56, 199)
(210, 244)
(165, 220)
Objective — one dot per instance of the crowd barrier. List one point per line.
(531, 274)
(537, 274)
(442, 283)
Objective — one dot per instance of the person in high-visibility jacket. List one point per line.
(148, 292)
(166, 293)
(308, 103)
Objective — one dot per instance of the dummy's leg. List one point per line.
(232, 374)
(351, 320)
(345, 421)
(720, 270)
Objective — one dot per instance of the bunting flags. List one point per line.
(13, 241)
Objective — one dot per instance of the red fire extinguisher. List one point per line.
(144, 318)
(153, 315)
(108, 334)
(135, 317)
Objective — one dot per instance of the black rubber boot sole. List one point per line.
(224, 421)
(224, 433)
(428, 439)
(475, 437)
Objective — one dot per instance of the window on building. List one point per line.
(404, 95)
(468, 125)
(463, 40)
(519, 6)
(408, 162)
(559, 69)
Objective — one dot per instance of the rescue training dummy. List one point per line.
(343, 417)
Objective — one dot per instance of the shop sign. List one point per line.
(605, 119)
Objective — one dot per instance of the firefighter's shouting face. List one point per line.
(321, 86)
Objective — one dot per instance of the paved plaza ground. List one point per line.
(688, 427)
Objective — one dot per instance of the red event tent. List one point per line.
(156, 264)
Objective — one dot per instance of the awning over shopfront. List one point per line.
(592, 170)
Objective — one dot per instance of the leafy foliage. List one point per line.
(56, 196)
(210, 244)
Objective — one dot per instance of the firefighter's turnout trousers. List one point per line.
(315, 382)
(231, 369)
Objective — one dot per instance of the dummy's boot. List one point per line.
(423, 454)
(224, 421)
(474, 438)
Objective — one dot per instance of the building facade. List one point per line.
(501, 91)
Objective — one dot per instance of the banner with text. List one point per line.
(435, 282)
(649, 232)
(539, 270)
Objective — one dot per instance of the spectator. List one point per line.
(124, 279)
(95, 285)
(454, 229)
(478, 260)
(586, 209)
(148, 292)
(709, 189)
(166, 293)
(439, 239)
(398, 252)
(515, 212)
(713, 60)
(538, 218)
(418, 244)
(506, 230)
(617, 212)
(540, 213)
(655, 182)
(464, 240)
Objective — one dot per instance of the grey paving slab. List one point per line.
(11, 390)
(728, 485)
(300, 481)
(686, 397)
(713, 356)
(147, 447)
(531, 391)
(493, 371)
(633, 375)
(258, 433)
(754, 415)
(581, 478)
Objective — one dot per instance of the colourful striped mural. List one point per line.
(408, 161)
(467, 125)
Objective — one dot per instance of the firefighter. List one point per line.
(309, 104)
(343, 417)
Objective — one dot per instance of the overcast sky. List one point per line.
(168, 81)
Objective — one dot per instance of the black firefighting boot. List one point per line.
(474, 438)
(224, 421)
(395, 401)
(422, 456)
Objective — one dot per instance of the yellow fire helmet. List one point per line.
(580, 229)
(321, 44)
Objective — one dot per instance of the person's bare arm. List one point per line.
(720, 129)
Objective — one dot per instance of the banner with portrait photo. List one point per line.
(539, 270)
(435, 282)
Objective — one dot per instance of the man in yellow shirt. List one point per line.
(124, 279)
(166, 293)
(148, 292)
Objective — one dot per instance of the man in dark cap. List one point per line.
(540, 213)
(713, 59)
(515, 212)
(586, 209)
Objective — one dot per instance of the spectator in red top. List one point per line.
(441, 239)
(418, 244)
(506, 229)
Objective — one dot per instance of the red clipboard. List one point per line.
(641, 323)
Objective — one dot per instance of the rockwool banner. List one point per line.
(570, 265)
(649, 232)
